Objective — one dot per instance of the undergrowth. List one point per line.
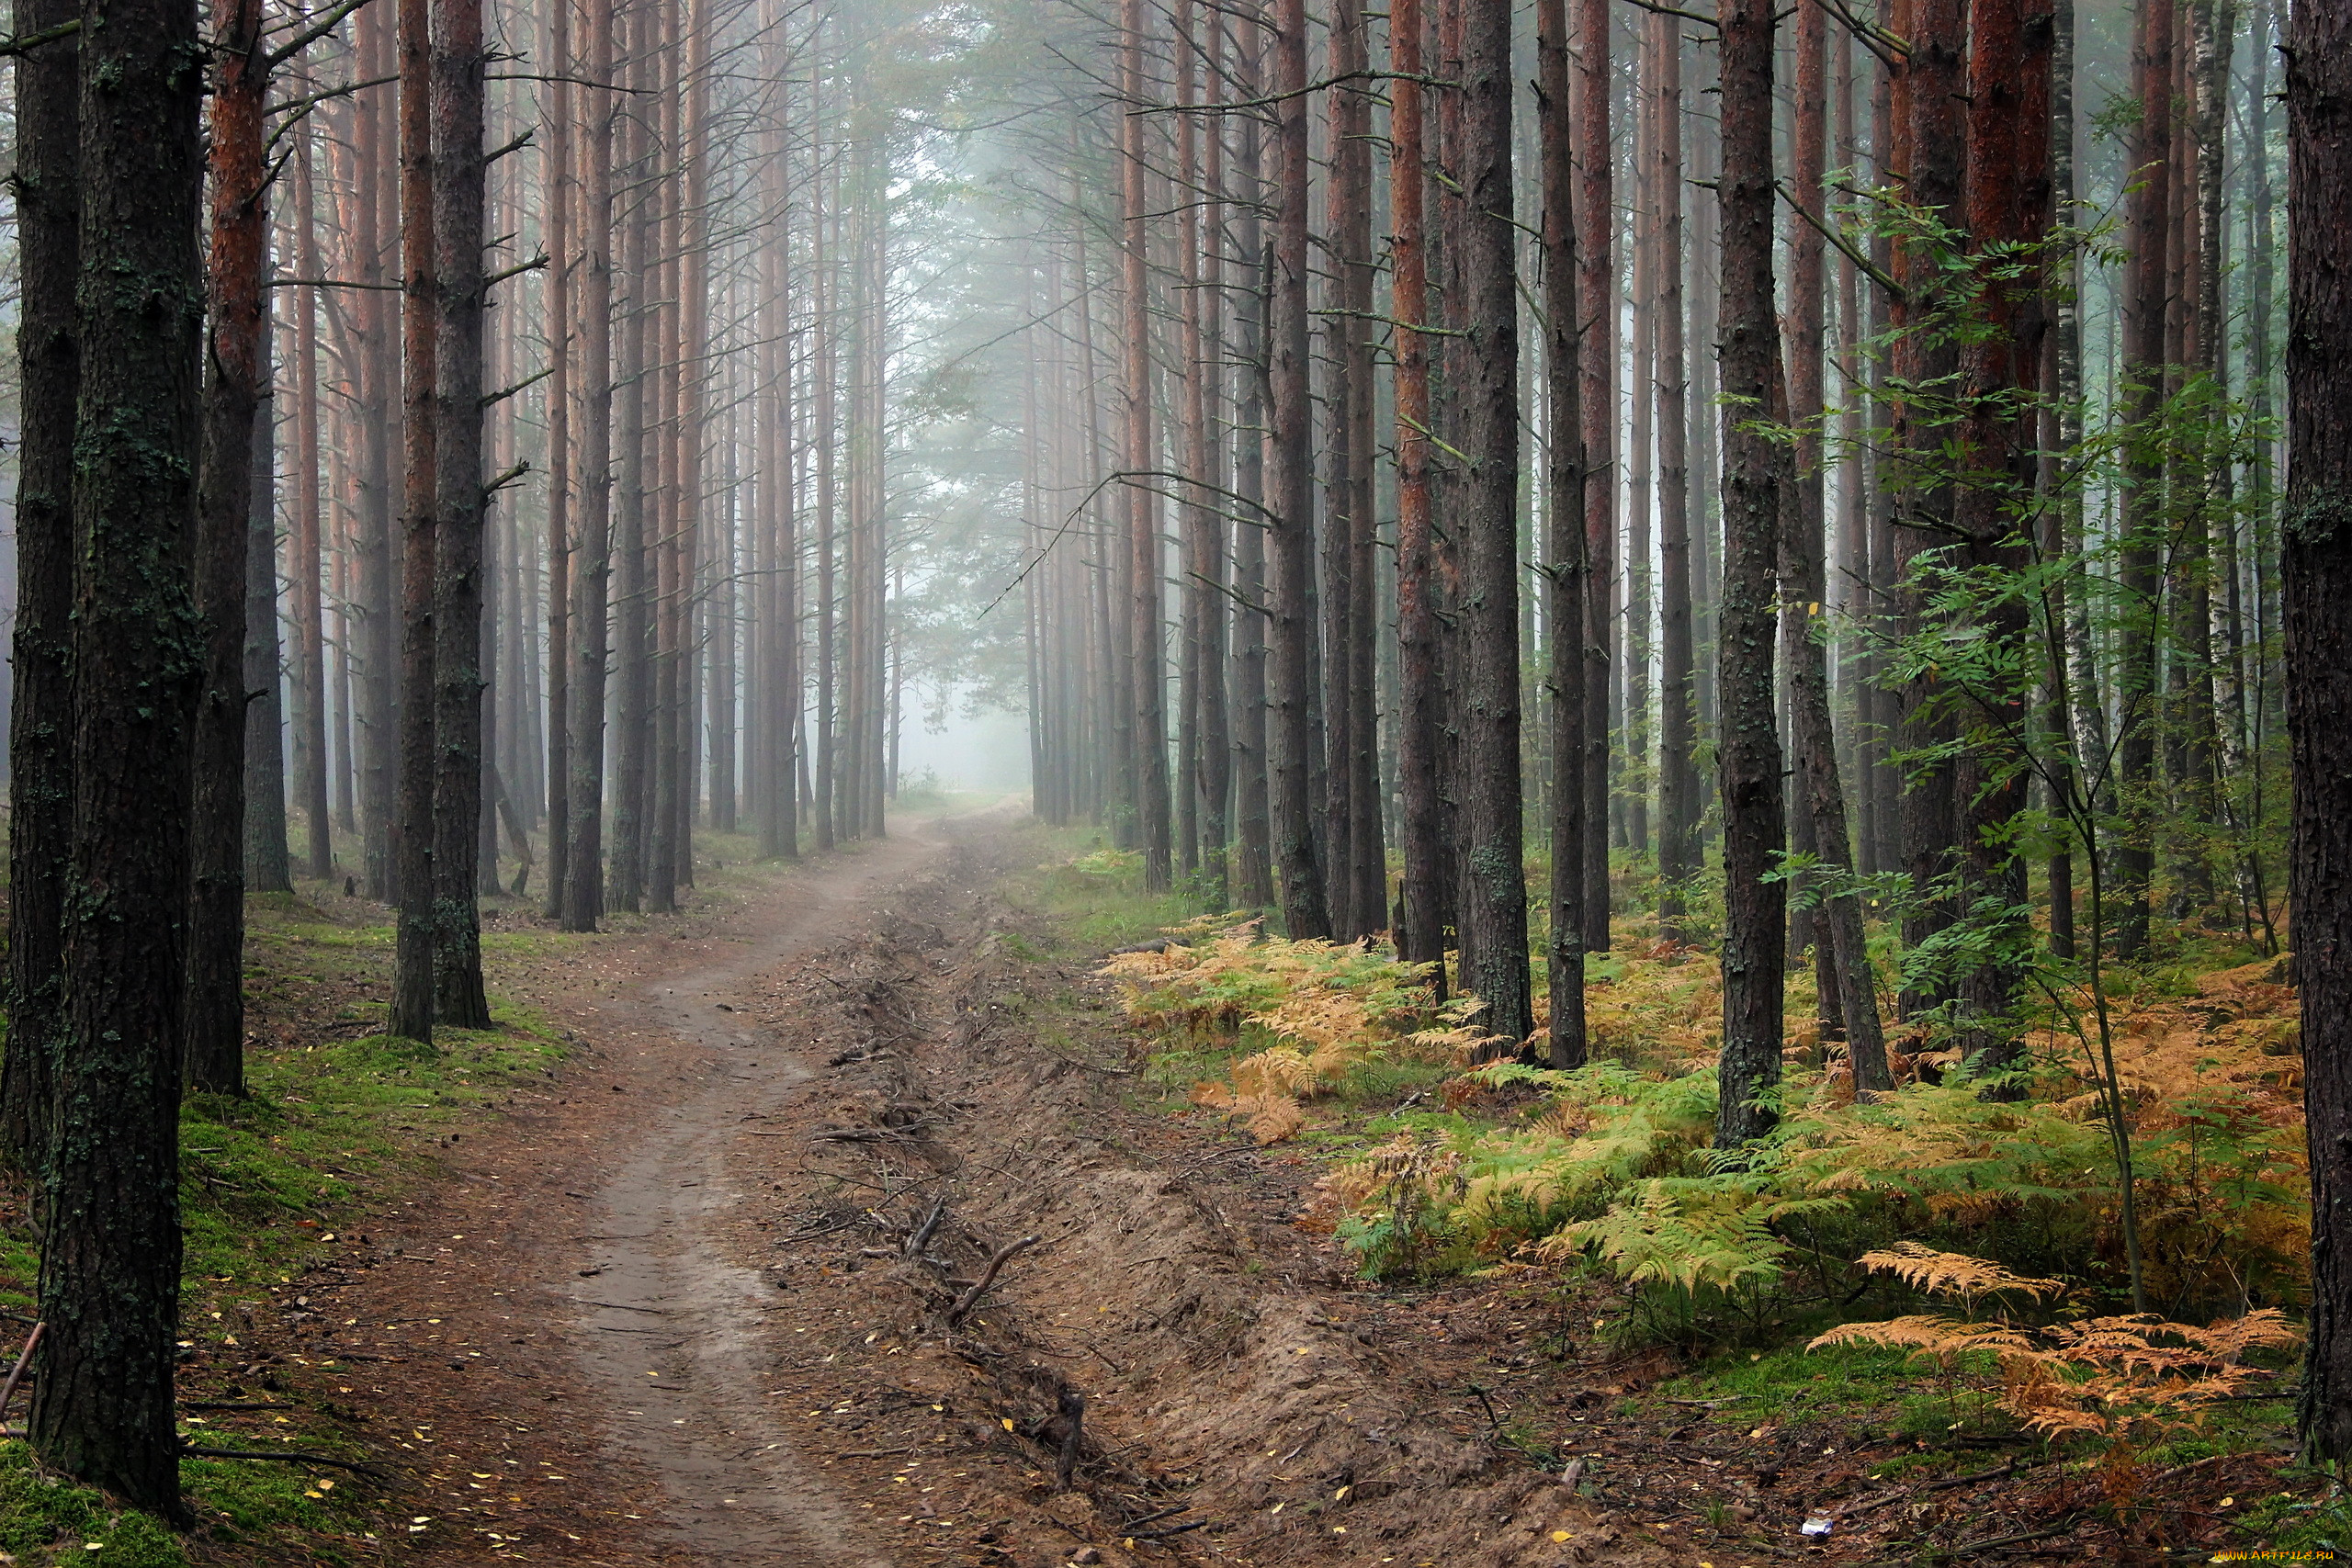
(1438, 1161)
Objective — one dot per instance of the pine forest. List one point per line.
(1062, 781)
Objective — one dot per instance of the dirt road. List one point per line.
(710, 1297)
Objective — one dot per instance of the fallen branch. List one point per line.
(921, 1236)
(1173, 1529)
(970, 1298)
(2018, 1540)
(24, 1359)
(289, 1456)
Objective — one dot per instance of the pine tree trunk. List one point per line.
(1142, 492)
(2148, 223)
(591, 573)
(563, 564)
(41, 714)
(1680, 802)
(306, 559)
(1419, 924)
(1563, 593)
(109, 1291)
(269, 865)
(411, 1016)
(1842, 963)
(1755, 929)
(1598, 294)
(458, 677)
(2316, 579)
(375, 196)
(212, 1055)
(1253, 834)
(1290, 501)
(1494, 882)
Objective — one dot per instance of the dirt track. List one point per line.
(684, 1308)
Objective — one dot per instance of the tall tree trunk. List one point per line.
(2142, 391)
(212, 1057)
(305, 555)
(2007, 209)
(376, 159)
(1215, 759)
(1494, 910)
(1354, 882)
(562, 563)
(1420, 922)
(41, 712)
(458, 679)
(1934, 88)
(411, 1016)
(1564, 591)
(1253, 833)
(2316, 579)
(269, 865)
(102, 1409)
(591, 573)
(1141, 490)
(1841, 960)
(1755, 929)
(1291, 499)
(1680, 802)
(1597, 300)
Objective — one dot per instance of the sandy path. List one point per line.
(664, 1324)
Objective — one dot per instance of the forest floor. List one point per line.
(683, 1267)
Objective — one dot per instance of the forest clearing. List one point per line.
(1089, 782)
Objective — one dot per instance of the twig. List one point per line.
(231, 1405)
(874, 1454)
(1173, 1529)
(1129, 1527)
(2018, 1540)
(988, 1277)
(290, 1456)
(920, 1237)
(24, 1359)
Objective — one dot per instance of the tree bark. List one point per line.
(1290, 527)
(212, 1057)
(102, 1410)
(591, 575)
(2316, 579)
(1841, 960)
(458, 110)
(411, 1015)
(1680, 801)
(1253, 833)
(1755, 929)
(1597, 293)
(2149, 221)
(1420, 923)
(1564, 590)
(305, 551)
(561, 564)
(41, 714)
(1494, 910)
(1140, 456)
